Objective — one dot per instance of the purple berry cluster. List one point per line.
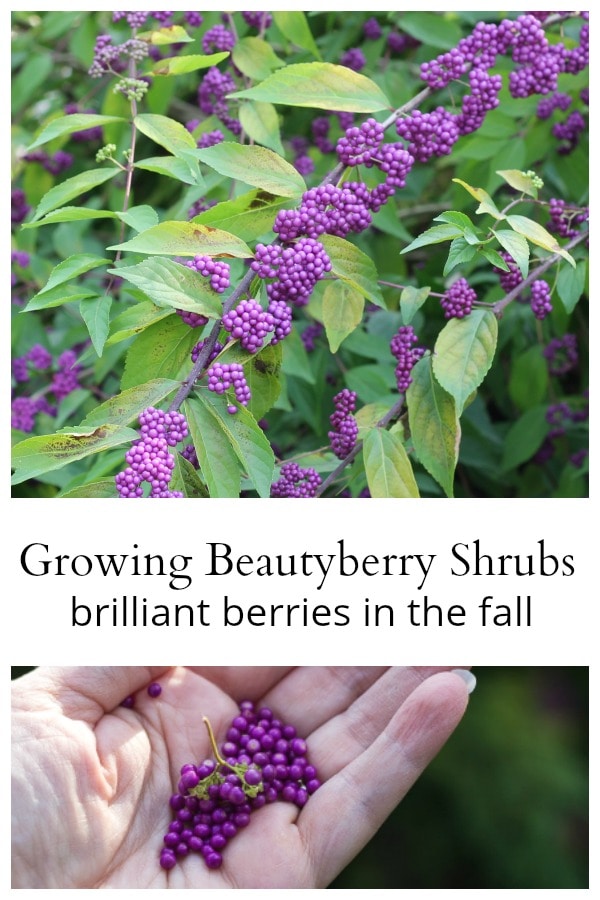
(541, 305)
(197, 349)
(561, 354)
(511, 279)
(547, 105)
(357, 146)
(294, 481)
(148, 458)
(353, 59)
(561, 417)
(256, 19)
(18, 206)
(262, 760)
(344, 429)
(134, 19)
(568, 132)
(55, 164)
(217, 271)
(194, 320)
(565, 219)
(37, 358)
(64, 380)
(295, 270)
(212, 97)
(429, 134)
(406, 355)
(458, 300)
(218, 39)
(372, 29)
(223, 376)
(249, 323)
(109, 57)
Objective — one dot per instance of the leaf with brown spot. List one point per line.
(38, 455)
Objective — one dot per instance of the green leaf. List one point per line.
(464, 352)
(30, 79)
(38, 455)
(493, 257)
(435, 235)
(516, 245)
(256, 166)
(180, 65)
(486, 204)
(528, 382)
(294, 26)
(518, 180)
(524, 438)
(296, 361)
(261, 371)
(321, 86)
(69, 124)
(186, 239)
(171, 34)
(255, 58)
(68, 293)
(261, 123)
(95, 312)
(126, 406)
(71, 188)
(388, 469)
(538, 235)
(353, 266)
(251, 215)
(71, 268)
(343, 308)
(134, 320)
(247, 440)
(171, 135)
(162, 349)
(411, 301)
(185, 479)
(461, 221)
(434, 425)
(166, 132)
(372, 382)
(169, 283)
(140, 218)
(459, 252)
(218, 462)
(369, 416)
(570, 285)
(434, 29)
(170, 166)
(98, 490)
(71, 214)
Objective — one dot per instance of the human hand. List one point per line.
(91, 779)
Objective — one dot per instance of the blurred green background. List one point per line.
(505, 804)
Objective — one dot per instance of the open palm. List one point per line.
(91, 780)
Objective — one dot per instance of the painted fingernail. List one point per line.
(468, 678)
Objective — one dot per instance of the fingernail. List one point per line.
(468, 678)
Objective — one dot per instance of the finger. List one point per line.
(343, 815)
(347, 735)
(311, 695)
(87, 692)
(243, 682)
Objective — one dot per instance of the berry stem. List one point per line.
(213, 744)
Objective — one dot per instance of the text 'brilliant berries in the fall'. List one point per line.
(262, 760)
